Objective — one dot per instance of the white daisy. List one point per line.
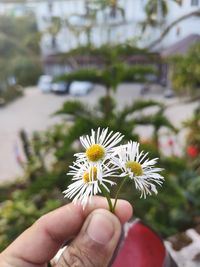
(138, 167)
(99, 146)
(87, 179)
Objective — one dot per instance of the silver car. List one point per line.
(45, 83)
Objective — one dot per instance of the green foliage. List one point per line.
(174, 165)
(105, 114)
(18, 214)
(19, 49)
(151, 9)
(50, 153)
(193, 140)
(106, 51)
(55, 26)
(111, 76)
(71, 108)
(186, 72)
(176, 207)
(15, 217)
(39, 191)
(10, 94)
(110, 65)
(26, 70)
(140, 105)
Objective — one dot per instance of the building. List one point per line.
(77, 23)
(185, 27)
(77, 27)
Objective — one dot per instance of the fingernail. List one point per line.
(100, 229)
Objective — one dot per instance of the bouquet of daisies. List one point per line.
(103, 159)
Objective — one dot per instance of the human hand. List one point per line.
(95, 230)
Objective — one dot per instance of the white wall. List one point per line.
(100, 33)
(186, 27)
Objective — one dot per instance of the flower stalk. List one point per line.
(119, 190)
(107, 196)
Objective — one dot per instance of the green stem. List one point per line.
(107, 196)
(118, 191)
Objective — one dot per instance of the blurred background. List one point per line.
(71, 65)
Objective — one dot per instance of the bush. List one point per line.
(26, 71)
(186, 72)
(18, 214)
(10, 94)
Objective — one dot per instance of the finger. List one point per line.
(96, 242)
(42, 240)
(123, 209)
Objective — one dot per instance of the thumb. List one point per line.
(96, 242)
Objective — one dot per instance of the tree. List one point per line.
(158, 121)
(19, 38)
(54, 28)
(103, 4)
(156, 11)
(86, 22)
(168, 28)
(110, 65)
(185, 72)
(85, 118)
(152, 10)
(26, 70)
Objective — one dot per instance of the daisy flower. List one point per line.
(138, 167)
(98, 146)
(87, 180)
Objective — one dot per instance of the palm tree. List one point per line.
(103, 4)
(54, 28)
(158, 121)
(84, 118)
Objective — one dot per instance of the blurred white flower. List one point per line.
(87, 180)
(138, 167)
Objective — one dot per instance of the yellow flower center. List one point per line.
(90, 176)
(135, 167)
(95, 152)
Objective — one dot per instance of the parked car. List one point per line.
(60, 87)
(80, 88)
(168, 93)
(45, 83)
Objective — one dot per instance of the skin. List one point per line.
(95, 232)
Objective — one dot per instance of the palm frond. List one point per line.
(74, 108)
(138, 106)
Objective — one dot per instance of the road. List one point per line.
(33, 112)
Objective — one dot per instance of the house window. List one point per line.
(194, 2)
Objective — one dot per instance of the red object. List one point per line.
(192, 151)
(170, 142)
(141, 248)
